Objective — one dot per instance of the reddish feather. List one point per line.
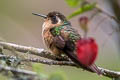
(87, 51)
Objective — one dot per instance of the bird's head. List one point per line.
(53, 17)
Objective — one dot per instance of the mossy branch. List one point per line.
(64, 61)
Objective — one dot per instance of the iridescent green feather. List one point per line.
(73, 36)
(56, 30)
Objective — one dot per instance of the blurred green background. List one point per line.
(18, 25)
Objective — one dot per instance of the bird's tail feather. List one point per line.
(95, 69)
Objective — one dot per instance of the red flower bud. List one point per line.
(87, 50)
(83, 21)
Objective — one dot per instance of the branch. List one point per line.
(104, 12)
(107, 73)
(38, 60)
(28, 75)
(32, 50)
(20, 71)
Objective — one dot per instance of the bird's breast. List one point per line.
(48, 39)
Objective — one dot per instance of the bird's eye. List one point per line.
(54, 17)
(54, 20)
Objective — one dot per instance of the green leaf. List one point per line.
(73, 3)
(81, 10)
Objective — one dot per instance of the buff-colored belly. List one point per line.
(49, 39)
(49, 42)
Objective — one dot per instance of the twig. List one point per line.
(29, 75)
(104, 12)
(20, 71)
(109, 15)
(108, 73)
(32, 50)
(38, 60)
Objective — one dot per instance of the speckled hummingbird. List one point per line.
(60, 37)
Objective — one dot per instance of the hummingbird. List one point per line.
(61, 38)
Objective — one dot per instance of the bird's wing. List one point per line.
(65, 39)
(62, 34)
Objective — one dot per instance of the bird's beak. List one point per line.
(41, 15)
